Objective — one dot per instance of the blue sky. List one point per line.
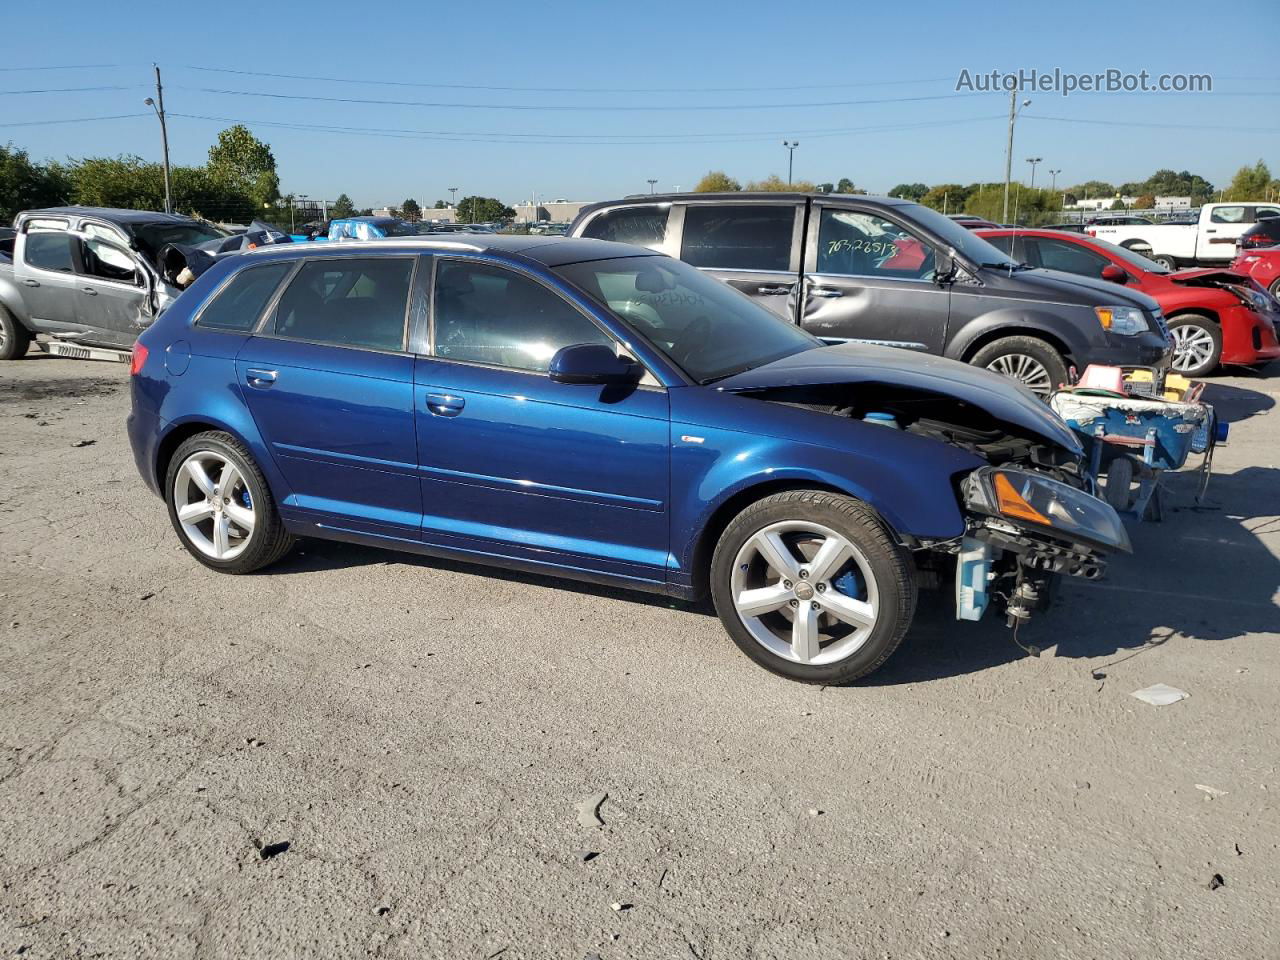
(626, 77)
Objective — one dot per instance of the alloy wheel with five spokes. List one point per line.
(214, 505)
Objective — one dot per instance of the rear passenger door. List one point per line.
(869, 277)
(754, 247)
(329, 381)
(46, 274)
(1065, 256)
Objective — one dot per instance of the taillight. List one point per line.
(137, 358)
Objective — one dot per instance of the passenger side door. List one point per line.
(329, 381)
(114, 298)
(516, 465)
(754, 247)
(46, 273)
(1065, 256)
(868, 277)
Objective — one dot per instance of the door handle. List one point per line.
(261, 379)
(89, 290)
(28, 282)
(1210, 229)
(827, 293)
(445, 404)
(781, 290)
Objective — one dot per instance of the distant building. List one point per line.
(1173, 203)
(1101, 203)
(554, 211)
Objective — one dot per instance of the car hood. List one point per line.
(1002, 398)
(1087, 289)
(1208, 276)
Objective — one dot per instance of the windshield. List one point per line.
(964, 241)
(1131, 258)
(398, 228)
(704, 326)
(152, 237)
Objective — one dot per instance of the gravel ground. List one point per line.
(366, 753)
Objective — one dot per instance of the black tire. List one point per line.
(1166, 261)
(1208, 332)
(14, 337)
(1004, 353)
(1275, 288)
(1116, 490)
(856, 522)
(269, 540)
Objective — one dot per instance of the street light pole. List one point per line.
(1053, 187)
(158, 106)
(1033, 161)
(1008, 150)
(652, 183)
(791, 156)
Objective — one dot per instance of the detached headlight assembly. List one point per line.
(1032, 501)
(1125, 321)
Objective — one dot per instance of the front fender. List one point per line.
(906, 478)
(11, 298)
(1025, 319)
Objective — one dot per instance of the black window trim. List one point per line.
(671, 236)
(811, 251)
(226, 281)
(266, 323)
(75, 253)
(521, 270)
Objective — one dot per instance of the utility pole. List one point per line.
(1053, 187)
(1008, 150)
(453, 201)
(791, 156)
(652, 183)
(157, 105)
(1033, 161)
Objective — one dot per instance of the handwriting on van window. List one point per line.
(875, 247)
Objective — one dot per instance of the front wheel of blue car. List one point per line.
(811, 585)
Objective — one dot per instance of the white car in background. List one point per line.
(1210, 241)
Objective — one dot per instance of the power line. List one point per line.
(68, 66)
(129, 86)
(611, 108)
(42, 123)
(472, 86)
(579, 139)
(1134, 123)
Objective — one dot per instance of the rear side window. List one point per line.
(348, 303)
(738, 237)
(240, 303)
(643, 226)
(51, 251)
(1228, 215)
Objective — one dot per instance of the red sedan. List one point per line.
(1263, 265)
(1217, 316)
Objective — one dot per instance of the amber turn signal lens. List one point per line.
(1011, 503)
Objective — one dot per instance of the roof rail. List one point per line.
(378, 242)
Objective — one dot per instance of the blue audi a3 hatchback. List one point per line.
(599, 411)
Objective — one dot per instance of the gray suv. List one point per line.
(882, 270)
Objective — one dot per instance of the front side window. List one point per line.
(108, 261)
(859, 244)
(705, 327)
(752, 236)
(1227, 215)
(51, 251)
(348, 303)
(105, 233)
(487, 314)
(241, 301)
(644, 226)
(1069, 257)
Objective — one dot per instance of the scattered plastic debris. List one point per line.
(1239, 852)
(589, 810)
(1211, 791)
(1216, 881)
(586, 856)
(619, 907)
(84, 443)
(815, 812)
(268, 851)
(1160, 694)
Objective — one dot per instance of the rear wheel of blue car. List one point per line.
(221, 507)
(811, 585)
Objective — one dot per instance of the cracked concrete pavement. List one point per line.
(421, 735)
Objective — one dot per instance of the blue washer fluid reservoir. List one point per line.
(882, 419)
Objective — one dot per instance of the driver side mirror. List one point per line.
(1114, 274)
(944, 266)
(593, 363)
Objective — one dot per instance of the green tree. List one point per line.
(1249, 183)
(440, 205)
(484, 210)
(1145, 201)
(775, 184)
(949, 197)
(24, 184)
(244, 166)
(909, 191)
(411, 211)
(717, 181)
(342, 208)
(1118, 205)
(1092, 188)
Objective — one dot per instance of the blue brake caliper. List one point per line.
(849, 583)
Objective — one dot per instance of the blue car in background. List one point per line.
(602, 412)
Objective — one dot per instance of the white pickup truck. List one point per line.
(1209, 242)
